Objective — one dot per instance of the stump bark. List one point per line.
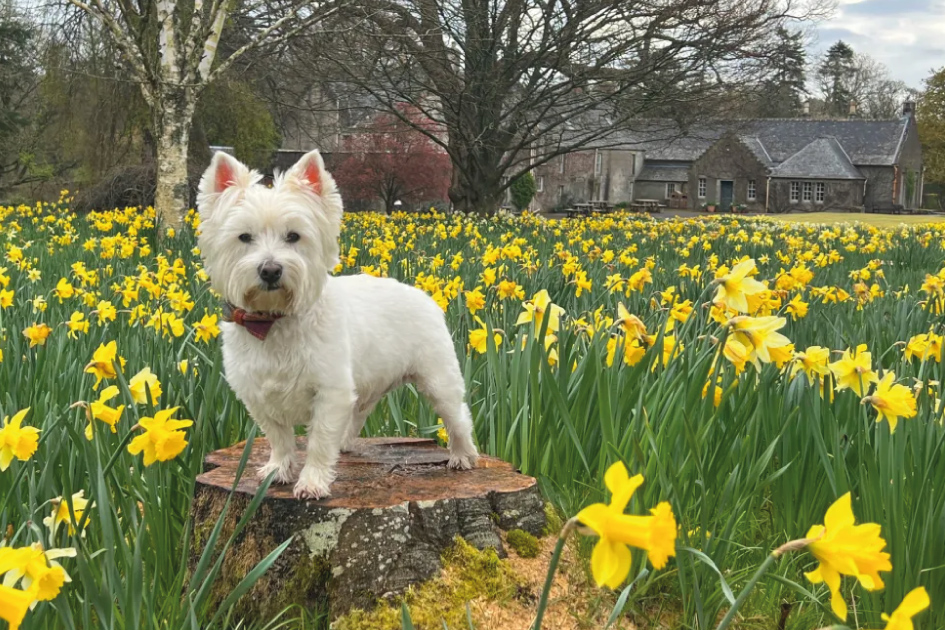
(395, 507)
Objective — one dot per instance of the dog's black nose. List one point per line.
(270, 273)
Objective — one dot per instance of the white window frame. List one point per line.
(808, 195)
(820, 192)
(795, 192)
(561, 165)
(752, 190)
(670, 189)
(540, 184)
(703, 187)
(598, 162)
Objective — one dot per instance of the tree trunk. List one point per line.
(394, 509)
(172, 197)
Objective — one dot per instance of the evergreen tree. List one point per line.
(837, 74)
(783, 93)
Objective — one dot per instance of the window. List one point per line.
(560, 193)
(752, 190)
(808, 192)
(540, 184)
(633, 164)
(703, 187)
(670, 189)
(561, 165)
(795, 192)
(598, 163)
(820, 193)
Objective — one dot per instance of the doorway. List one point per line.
(726, 195)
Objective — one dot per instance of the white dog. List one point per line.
(306, 348)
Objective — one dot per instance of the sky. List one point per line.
(908, 36)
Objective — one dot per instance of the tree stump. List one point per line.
(395, 507)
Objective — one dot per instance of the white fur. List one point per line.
(343, 343)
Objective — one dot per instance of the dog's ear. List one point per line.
(309, 173)
(225, 172)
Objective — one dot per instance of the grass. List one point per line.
(876, 220)
(744, 473)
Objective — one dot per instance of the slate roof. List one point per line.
(822, 158)
(758, 150)
(866, 142)
(651, 173)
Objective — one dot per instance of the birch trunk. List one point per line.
(172, 196)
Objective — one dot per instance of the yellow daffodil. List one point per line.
(633, 350)
(854, 370)
(17, 441)
(144, 383)
(64, 290)
(912, 604)
(14, 603)
(844, 548)
(797, 308)
(99, 410)
(6, 299)
(105, 312)
(892, 401)
(77, 324)
(536, 309)
(475, 300)
(479, 338)
(162, 439)
(207, 328)
(60, 513)
(737, 285)
(759, 335)
(103, 362)
(41, 575)
(632, 326)
(812, 362)
(656, 533)
(37, 334)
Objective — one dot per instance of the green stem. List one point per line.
(552, 567)
(730, 615)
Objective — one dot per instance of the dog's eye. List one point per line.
(246, 237)
(292, 237)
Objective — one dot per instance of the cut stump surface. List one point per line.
(395, 507)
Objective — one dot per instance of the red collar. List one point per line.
(256, 324)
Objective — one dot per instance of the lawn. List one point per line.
(877, 220)
(748, 411)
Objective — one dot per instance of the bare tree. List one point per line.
(170, 47)
(517, 82)
(857, 85)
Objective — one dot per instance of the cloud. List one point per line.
(904, 35)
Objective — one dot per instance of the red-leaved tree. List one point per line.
(392, 161)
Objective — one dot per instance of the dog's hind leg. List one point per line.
(445, 391)
(359, 417)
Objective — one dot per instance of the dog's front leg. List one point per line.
(330, 420)
(281, 452)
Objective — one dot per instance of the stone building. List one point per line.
(772, 165)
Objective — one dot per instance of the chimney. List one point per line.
(852, 109)
(908, 108)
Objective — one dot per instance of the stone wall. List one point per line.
(841, 195)
(728, 160)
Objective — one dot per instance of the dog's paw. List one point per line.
(313, 483)
(463, 459)
(285, 471)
